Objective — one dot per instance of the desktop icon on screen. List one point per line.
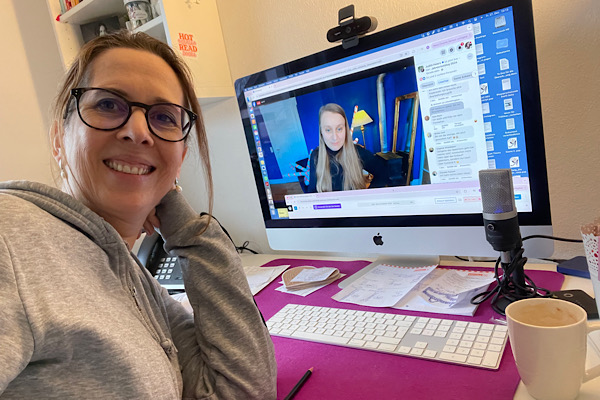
(500, 21)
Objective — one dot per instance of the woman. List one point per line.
(80, 317)
(337, 164)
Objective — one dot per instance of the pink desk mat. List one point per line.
(345, 373)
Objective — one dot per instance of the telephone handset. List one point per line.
(164, 267)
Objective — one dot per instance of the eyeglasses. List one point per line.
(106, 110)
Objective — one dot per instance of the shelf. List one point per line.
(197, 21)
(92, 10)
(155, 28)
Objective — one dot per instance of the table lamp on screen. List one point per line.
(361, 118)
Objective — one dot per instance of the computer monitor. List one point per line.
(428, 103)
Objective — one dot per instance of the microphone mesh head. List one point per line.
(497, 194)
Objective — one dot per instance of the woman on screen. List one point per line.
(338, 164)
(80, 316)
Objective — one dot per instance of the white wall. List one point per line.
(29, 74)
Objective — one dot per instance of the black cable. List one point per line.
(244, 246)
(466, 259)
(553, 238)
(533, 237)
(508, 286)
(239, 249)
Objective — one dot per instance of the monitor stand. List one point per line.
(401, 261)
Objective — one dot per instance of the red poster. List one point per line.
(187, 45)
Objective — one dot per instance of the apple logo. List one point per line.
(377, 239)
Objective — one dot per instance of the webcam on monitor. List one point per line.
(350, 28)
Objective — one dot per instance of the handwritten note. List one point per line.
(383, 286)
(447, 291)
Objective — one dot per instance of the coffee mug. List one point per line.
(549, 340)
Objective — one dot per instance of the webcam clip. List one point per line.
(350, 29)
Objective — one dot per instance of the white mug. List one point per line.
(549, 340)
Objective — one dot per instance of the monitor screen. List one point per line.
(377, 148)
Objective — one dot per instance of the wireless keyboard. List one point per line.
(459, 342)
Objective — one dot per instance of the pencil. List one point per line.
(299, 384)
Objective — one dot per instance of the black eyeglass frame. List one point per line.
(78, 92)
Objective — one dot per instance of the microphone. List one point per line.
(501, 223)
(499, 210)
(502, 232)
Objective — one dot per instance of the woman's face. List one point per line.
(124, 173)
(333, 129)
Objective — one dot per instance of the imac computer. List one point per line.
(428, 104)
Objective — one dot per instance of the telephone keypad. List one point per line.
(169, 273)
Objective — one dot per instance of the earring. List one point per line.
(177, 187)
(63, 174)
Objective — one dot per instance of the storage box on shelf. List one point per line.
(193, 29)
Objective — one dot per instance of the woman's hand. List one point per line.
(151, 222)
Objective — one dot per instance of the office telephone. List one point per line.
(164, 267)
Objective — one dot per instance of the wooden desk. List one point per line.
(589, 391)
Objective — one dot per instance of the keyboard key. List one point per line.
(356, 342)
(490, 359)
(384, 339)
(494, 347)
(319, 338)
(387, 347)
(453, 357)
(416, 352)
(474, 360)
(429, 353)
(462, 350)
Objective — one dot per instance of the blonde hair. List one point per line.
(347, 158)
(79, 74)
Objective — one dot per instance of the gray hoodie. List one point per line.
(80, 318)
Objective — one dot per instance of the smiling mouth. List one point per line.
(128, 169)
